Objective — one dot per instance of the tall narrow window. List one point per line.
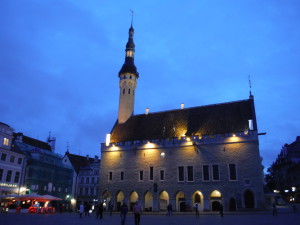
(5, 141)
(129, 91)
(216, 172)
(81, 191)
(19, 161)
(17, 177)
(92, 191)
(180, 173)
(123, 91)
(151, 173)
(3, 157)
(122, 175)
(8, 176)
(110, 175)
(93, 180)
(205, 172)
(12, 158)
(190, 171)
(141, 175)
(232, 172)
(87, 180)
(162, 175)
(1, 174)
(86, 191)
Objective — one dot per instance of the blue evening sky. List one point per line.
(59, 64)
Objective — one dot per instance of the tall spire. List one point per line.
(128, 79)
(250, 86)
(128, 66)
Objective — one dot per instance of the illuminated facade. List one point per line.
(11, 163)
(206, 155)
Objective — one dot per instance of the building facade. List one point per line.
(11, 163)
(44, 172)
(285, 172)
(207, 155)
(88, 183)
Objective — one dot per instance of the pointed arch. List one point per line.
(133, 198)
(180, 201)
(215, 200)
(197, 198)
(163, 200)
(120, 197)
(148, 201)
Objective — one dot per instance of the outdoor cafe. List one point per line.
(30, 203)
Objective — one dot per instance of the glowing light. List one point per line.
(233, 135)
(73, 201)
(188, 139)
(286, 191)
(150, 145)
(107, 141)
(163, 155)
(114, 148)
(293, 188)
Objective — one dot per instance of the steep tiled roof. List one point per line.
(33, 142)
(78, 161)
(204, 120)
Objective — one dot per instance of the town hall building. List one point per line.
(206, 155)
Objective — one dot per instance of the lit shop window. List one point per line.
(5, 141)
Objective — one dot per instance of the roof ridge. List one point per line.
(194, 107)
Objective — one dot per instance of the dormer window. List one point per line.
(129, 53)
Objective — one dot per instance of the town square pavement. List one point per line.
(258, 218)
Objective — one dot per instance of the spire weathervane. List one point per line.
(250, 86)
(131, 16)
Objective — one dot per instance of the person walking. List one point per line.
(97, 210)
(81, 209)
(137, 210)
(124, 210)
(274, 211)
(221, 210)
(101, 209)
(197, 210)
(110, 207)
(87, 209)
(169, 208)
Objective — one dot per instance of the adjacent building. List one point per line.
(207, 155)
(12, 163)
(85, 177)
(285, 171)
(44, 171)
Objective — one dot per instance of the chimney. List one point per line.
(147, 111)
(87, 157)
(96, 159)
(182, 105)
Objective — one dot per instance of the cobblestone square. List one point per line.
(261, 218)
